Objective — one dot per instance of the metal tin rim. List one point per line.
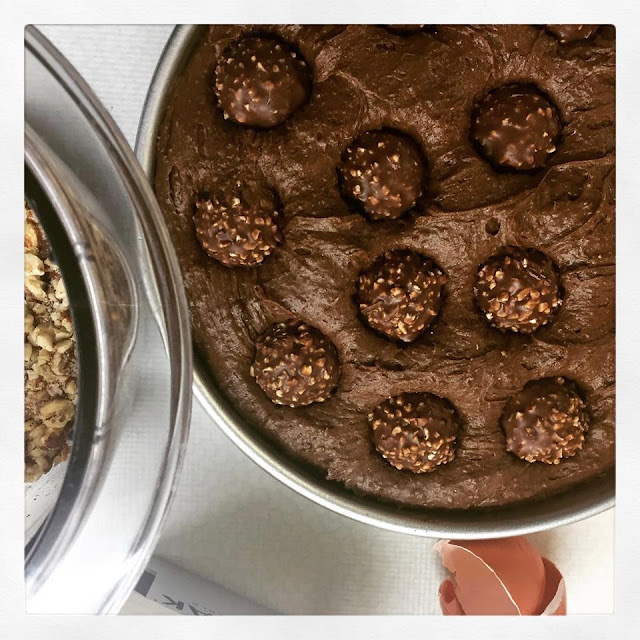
(584, 501)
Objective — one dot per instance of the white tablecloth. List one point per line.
(232, 523)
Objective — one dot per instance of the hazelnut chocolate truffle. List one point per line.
(516, 127)
(382, 172)
(415, 431)
(404, 28)
(546, 421)
(400, 294)
(260, 82)
(295, 364)
(518, 289)
(238, 226)
(566, 33)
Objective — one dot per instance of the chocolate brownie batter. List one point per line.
(426, 85)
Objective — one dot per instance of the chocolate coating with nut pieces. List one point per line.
(518, 290)
(260, 82)
(383, 173)
(546, 421)
(238, 227)
(415, 431)
(572, 32)
(400, 294)
(516, 127)
(295, 365)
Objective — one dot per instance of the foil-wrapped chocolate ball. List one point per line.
(516, 127)
(566, 33)
(546, 421)
(238, 226)
(400, 294)
(260, 82)
(382, 172)
(295, 364)
(415, 431)
(518, 289)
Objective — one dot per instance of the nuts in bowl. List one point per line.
(50, 368)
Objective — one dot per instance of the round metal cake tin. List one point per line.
(580, 502)
(133, 341)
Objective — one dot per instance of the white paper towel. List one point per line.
(232, 523)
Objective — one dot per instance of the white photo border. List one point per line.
(624, 15)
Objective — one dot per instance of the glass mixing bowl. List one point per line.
(93, 523)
